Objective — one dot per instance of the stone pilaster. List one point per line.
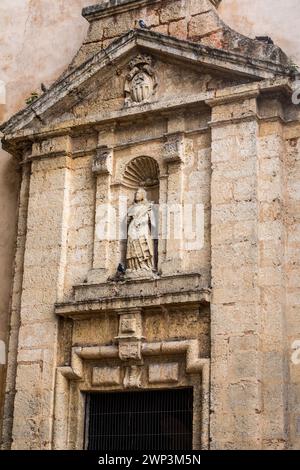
(15, 311)
(272, 242)
(292, 269)
(236, 322)
(172, 213)
(44, 265)
(104, 225)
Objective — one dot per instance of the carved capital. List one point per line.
(173, 150)
(102, 163)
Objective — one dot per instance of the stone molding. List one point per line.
(190, 347)
(155, 42)
(114, 7)
(132, 378)
(194, 365)
(117, 297)
(211, 98)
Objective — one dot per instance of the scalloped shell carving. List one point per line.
(141, 172)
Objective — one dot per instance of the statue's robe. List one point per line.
(140, 254)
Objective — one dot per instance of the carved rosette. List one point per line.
(141, 81)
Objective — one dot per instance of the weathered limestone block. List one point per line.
(178, 29)
(56, 145)
(171, 11)
(203, 24)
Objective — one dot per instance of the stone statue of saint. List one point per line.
(140, 246)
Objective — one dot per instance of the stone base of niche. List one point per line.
(168, 291)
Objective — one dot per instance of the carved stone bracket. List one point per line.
(173, 150)
(102, 163)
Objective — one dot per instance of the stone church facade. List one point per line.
(194, 123)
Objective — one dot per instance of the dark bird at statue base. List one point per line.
(121, 269)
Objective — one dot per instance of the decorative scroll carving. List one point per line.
(141, 81)
(133, 377)
(102, 164)
(173, 150)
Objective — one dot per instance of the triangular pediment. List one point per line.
(171, 69)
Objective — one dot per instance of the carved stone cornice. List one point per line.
(114, 7)
(185, 51)
(115, 298)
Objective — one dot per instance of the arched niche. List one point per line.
(141, 172)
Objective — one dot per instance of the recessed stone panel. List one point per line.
(163, 373)
(106, 376)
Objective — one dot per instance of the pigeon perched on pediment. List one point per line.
(143, 25)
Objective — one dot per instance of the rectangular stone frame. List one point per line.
(72, 383)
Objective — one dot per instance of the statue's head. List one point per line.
(140, 195)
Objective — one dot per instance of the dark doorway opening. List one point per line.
(147, 420)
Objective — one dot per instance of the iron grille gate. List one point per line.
(146, 420)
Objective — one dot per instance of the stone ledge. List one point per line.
(113, 297)
(139, 287)
(113, 7)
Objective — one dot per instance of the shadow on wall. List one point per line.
(2, 353)
(9, 184)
